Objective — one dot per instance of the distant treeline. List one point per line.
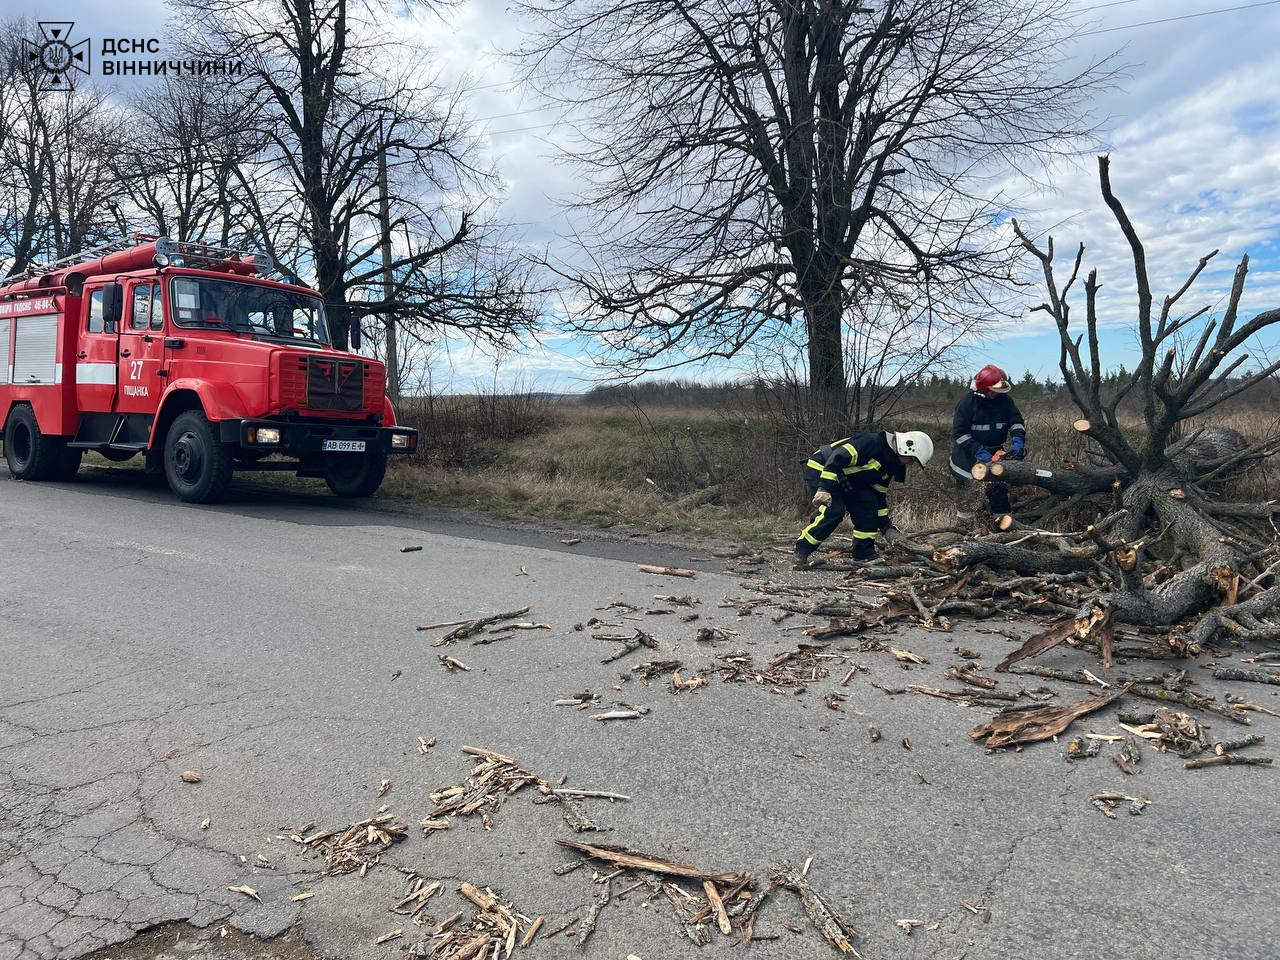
(936, 388)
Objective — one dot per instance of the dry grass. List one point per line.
(607, 463)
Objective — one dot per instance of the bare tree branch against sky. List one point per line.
(1191, 127)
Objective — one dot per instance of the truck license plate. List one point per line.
(343, 446)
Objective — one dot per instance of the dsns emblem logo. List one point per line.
(54, 56)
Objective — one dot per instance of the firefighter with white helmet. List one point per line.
(985, 418)
(852, 476)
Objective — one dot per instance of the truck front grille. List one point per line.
(335, 384)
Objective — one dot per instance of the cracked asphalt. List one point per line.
(269, 644)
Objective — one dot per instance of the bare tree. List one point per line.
(1172, 547)
(756, 161)
(177, 167)
(55, 148)
(331, 93)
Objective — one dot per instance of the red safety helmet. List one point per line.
(991, 379)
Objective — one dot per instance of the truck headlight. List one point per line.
(267, 435)
(403, 441)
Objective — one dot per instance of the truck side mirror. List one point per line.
(355, 333)
(112, 306)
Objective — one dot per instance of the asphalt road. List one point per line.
(270, 645)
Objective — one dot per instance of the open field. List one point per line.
(628, 463)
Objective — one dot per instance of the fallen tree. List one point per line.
(1150, 546)
(1174, 553)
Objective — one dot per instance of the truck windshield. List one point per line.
(248, 308)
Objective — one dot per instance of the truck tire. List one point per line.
(196, 464)
(356, 476)
(31, 455)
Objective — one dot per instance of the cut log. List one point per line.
(1007, 557)
(1062, 482)
(1082, 425)
(978, 471)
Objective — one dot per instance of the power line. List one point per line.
(1185, 16)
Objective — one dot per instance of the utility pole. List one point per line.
(388, 281)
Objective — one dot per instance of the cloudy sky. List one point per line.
(1193, 130)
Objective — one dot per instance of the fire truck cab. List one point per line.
(191, 356)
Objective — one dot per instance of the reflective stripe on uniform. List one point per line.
(979, 426)
(879, 488)
(1018, 426)
(962, 473)
(883, 512)
(818, 518)
(869, 465)
(865, 534)
(816, 465)
(966, 437)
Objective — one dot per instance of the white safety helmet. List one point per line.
(913, 443)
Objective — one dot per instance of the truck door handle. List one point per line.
(125, 353)
(173, 343)
(81, 356)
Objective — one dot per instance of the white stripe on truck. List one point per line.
(100, 373)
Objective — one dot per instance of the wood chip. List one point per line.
(410, 549)
(453, 663)
(247, 890)
(1039, 723)
(189, 776)
(713, 897)
(304, 895)
(388, 937)
(617, 715)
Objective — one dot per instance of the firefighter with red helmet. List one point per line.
(986, 417)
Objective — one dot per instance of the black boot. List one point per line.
(864, 549)
(802, 555)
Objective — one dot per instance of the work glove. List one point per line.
(983, 455)
(822, 498)
(892, 534)
(1018, 448)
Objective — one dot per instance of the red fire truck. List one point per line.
(192, 356)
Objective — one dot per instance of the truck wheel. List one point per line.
(196, 464)
(356, 476)
(30, 454)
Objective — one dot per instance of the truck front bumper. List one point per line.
(302, 439)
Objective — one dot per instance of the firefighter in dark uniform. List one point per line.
(852, 476)
(985, 418)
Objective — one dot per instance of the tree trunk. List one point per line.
(825, 313)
